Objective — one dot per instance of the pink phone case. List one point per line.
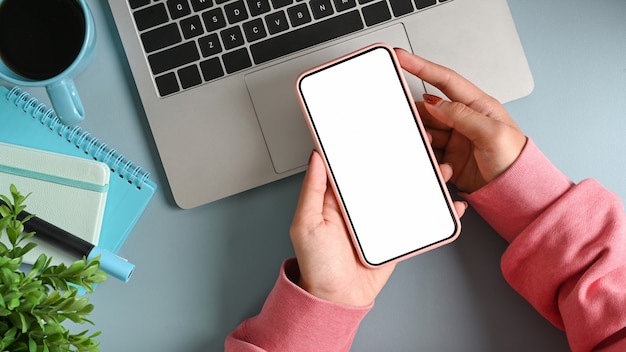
(431, 155)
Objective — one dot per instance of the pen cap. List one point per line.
(112, 264)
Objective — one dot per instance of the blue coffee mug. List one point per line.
(61, 88)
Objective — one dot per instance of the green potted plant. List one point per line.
(35, 301)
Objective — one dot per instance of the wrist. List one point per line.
(342, 292)
(514, 199)
(292, 273)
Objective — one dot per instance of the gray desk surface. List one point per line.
(202, 271)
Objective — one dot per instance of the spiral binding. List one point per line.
(80, 138)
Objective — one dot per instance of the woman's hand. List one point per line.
(329, 266)
(472, 132)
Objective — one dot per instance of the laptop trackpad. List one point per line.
(272, 90)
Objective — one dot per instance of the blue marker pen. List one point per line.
(110, 263)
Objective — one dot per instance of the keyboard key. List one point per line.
(299, 15)
(322, 8)
(254, 30)
(174, 57)
(151, 16)
(214, 19)
(281, 3)
(236, 60)
(401, 7)
(138, 3)
(189, 76)
(236, 11)
(376, 13)
(232, 37)
(211, 69)
(343, 5)
(210, 45)
(160, 38)
(258, 7)
(421, 4)
(306, 37)
(191, 27)
(167, 84)
(199, 5)
(276, 22)
(178, 8)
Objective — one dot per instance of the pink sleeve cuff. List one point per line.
(294, 320)
(517, 197)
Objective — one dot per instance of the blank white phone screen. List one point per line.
(377, 157)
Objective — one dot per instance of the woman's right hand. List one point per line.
(472, 132)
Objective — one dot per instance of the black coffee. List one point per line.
(40, 38)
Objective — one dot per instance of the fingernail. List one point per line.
(431, 99)
(311, 156)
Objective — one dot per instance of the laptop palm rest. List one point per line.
(272, 91)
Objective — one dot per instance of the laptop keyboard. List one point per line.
(191, 42)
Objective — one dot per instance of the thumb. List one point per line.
(314, 186)
(458, 116)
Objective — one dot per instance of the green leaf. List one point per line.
(37, 267)
(40, 262)
(54, 330)
(4, 222)
(74, 269)
(6, 200)
(3, 249)
(9, 336)
(21, 251)
(20, 321)
(35, 297)
(32, 345)
(27, 235)
(13, 234)
(5, 211)
(9, 277)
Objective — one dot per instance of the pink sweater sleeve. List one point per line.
(567, 252)
(293, 320)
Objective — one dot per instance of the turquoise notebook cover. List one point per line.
(26, 122)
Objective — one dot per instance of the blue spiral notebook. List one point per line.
(26, 122)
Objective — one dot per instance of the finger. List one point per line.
(453, 85)
(446, 171)
(314, 185)
(427, 120)
(449, 82)
(465, 120)
(460, 207)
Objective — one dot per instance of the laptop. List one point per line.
(216, 77)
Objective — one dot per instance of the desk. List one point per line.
(202, 271)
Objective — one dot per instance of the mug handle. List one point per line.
(66, 102)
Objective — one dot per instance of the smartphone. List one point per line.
(378, 157)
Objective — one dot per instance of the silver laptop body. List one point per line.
(226, 119)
